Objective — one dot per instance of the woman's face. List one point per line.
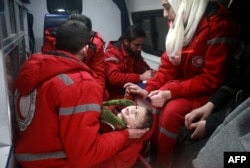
(134, 116)
(168, 11)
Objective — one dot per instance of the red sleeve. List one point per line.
(96, 61)
(116, 69)
(219, 49)
(79, 129)
(166, 72)
(213, 45)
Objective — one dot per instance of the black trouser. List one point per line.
(186, 149)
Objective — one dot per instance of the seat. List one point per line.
(51, 22)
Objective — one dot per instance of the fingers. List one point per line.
(130, 86)
(193, 126)
(193, 135)
(155, 92)
(146, 130)
(137, 133)
(188, 120)
(152, 72)
(127, 87)
(141, 132)
(127, 84)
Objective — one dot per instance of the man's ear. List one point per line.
(126, 42)
(85, 49)
(83, 52)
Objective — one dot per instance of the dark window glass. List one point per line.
(22, 53)
(3, 28)
(1, 5)
(26, 1)
(156, 28)
(3, 31)
(12, 16)
(20, 13)
(64, 6)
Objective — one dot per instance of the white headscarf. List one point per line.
(181, 31)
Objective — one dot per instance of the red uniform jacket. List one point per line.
(121, 68)
(58, 104)
(204, 60)
(95, 58)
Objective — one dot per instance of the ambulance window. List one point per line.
(1, 5)
(64, 6)
(12, 17)
(156, 28)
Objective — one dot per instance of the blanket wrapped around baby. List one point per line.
(110, 109)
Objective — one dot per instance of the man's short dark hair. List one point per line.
(132, 32)
(72, 36)
(82, 18)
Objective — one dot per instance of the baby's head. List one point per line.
(137, 117)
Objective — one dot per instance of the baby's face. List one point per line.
(133, 116)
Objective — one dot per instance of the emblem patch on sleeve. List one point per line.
(198, 61)
(25, 109)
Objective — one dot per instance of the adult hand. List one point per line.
(131, 88)
(159, 97)
(199, 129)
(147, 75)
(137, 133)
(198, 114)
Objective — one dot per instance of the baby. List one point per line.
(128, 116)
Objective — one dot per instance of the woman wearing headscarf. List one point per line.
(199, 48)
